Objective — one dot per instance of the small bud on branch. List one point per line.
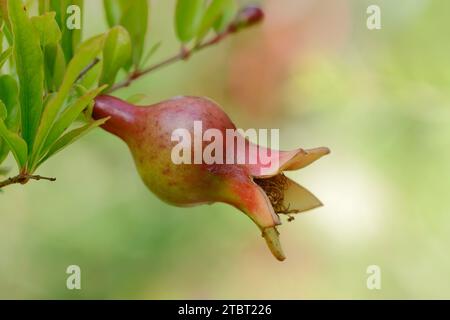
(247, 17)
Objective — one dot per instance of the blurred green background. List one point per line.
(380, 100)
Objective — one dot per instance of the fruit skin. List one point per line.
(148, 134)
(148, 131)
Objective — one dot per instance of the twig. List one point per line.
(247, 17)
(23, 179)
(87, 69)
(184, 54)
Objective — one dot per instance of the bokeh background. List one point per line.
(379, 99)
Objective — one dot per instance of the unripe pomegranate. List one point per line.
(260, 191)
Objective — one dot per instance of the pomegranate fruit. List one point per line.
(261, 192)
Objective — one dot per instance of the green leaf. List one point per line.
(116, 54)
(3, 111)
(89, 110)
(64, 16)
(70, 138)
(4, 151)
(44, 6)
(135, 20)
(80, 90)
(1, 34)
(5, 56)
(229, 14)
(16, 144)
(48, 29)
(8, 91)
(91, 78)
(50, 36)
(59, 6)
(4, 12)
(133, 16)
(29, 62)
(70, 115)
(55, 66)
(86, 53)
(8, 35)
(9, 95)
(213, 13)
(74, 37)
(188, 15)
(113, 11)
(7, 24)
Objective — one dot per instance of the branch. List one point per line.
(184, 54)
(87, 69)
(23, 179)
(247, 17)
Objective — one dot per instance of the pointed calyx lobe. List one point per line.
(261, 192)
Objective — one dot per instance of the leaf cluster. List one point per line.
(50, 75)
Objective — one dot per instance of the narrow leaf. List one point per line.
(9, 95)
(3, 111)
(116, 54)
(91, 78)
(135, 20)
(1, 34)
(29, 62)
(85, 54)
(213, 13)
(188, 15)
(229, 14)
(68, 17)
(47, 28)
(7, 24)
(70, 115)
(15, 143)
(4, 151)
(8, 90)
(70, 138)
(113, 11)
(4, 12)
(5, 56)
(55, 66)
(44, 6)
(50, 36)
